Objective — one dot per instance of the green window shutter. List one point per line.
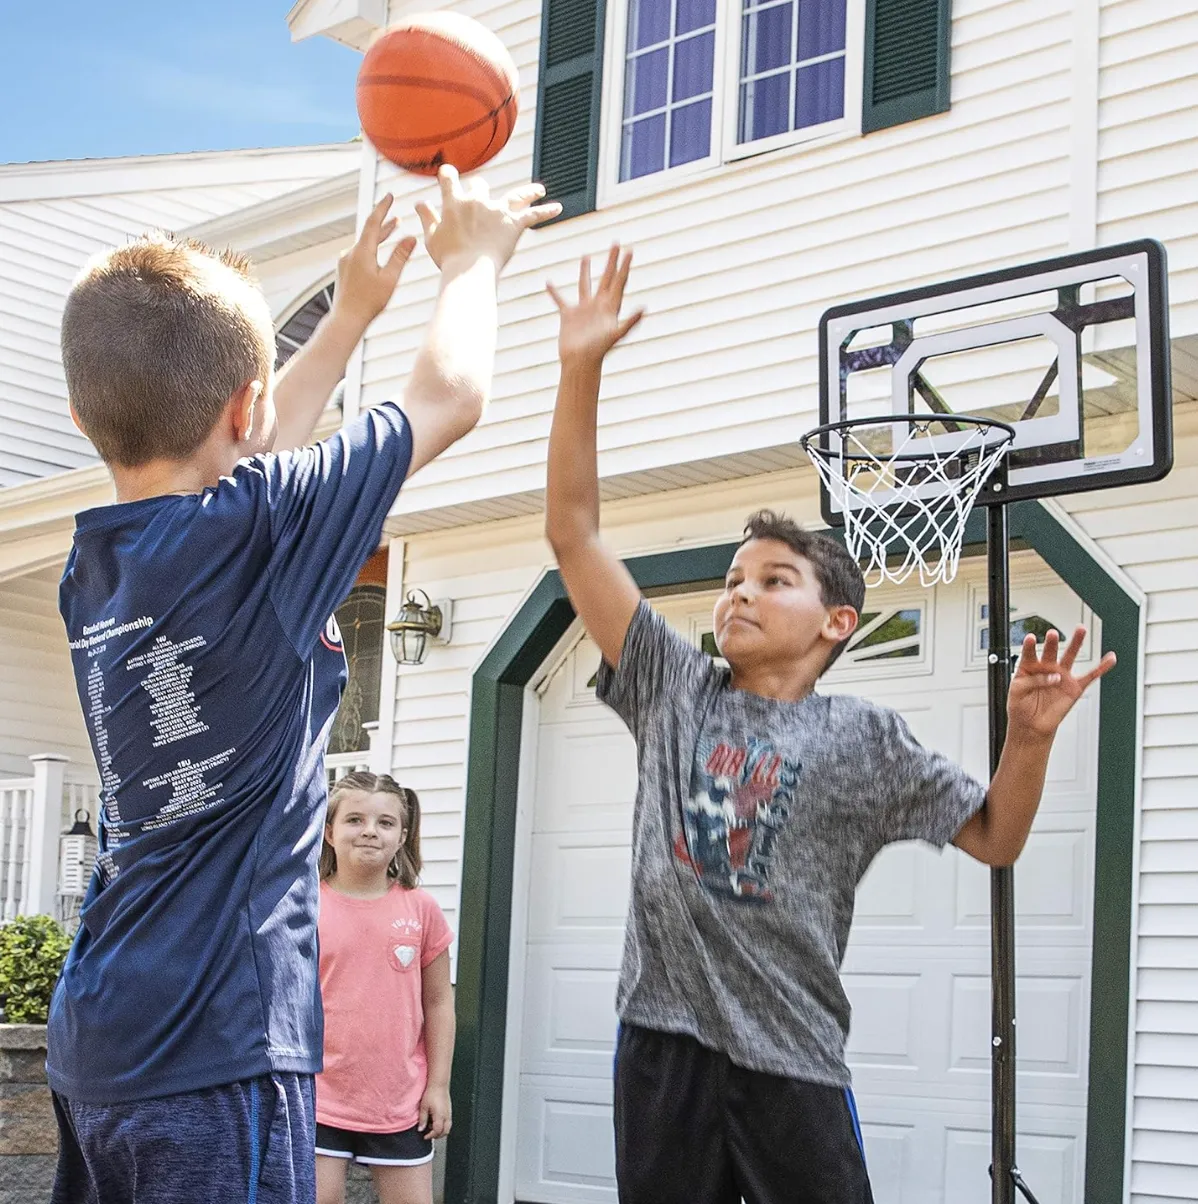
(906, 61)
(566, 146)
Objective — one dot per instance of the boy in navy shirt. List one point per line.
(186, 1027)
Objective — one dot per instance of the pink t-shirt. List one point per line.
(372, 952)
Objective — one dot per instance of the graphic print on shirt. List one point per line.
(405, 941)
(740, 800)
(174, 716)
(330, 637)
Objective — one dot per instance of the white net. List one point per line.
(904, 491)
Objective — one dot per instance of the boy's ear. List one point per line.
(75, 418)
(242, 411)
(841, 623)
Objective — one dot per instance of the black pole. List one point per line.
(1002, 881)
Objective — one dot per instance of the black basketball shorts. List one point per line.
(692, 1128)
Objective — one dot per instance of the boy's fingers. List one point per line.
(537, 214)
(521, 198)
(551, 289)
(1103, 667)
(1073, 647)
(628, 323)
(1027, 656)
(622, 275)
(388, 228)
(428, 217)
(400, 255)
(610, 268)
(584, 279)
(375, 221)
(451, 186)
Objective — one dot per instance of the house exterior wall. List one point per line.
(1068, 128)
(39, 708)
(53, 216)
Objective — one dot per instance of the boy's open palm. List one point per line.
(592, 327)
(470, 224)
(1044, 687)
(364, 286)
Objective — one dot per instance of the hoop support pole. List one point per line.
(1003, 1169)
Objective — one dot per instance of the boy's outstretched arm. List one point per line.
(363, 288)
(1043, 692)
(470, 239)
(601, 589)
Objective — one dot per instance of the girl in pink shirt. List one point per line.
(388, 1007)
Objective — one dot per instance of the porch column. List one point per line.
(42, 828)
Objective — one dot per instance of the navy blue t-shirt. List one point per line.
(209, 670)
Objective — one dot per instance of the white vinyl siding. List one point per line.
(53, 217)
(39, 708)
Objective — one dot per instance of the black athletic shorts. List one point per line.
(409, 1148)
(692, 1128)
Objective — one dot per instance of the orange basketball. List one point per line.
(438, 88)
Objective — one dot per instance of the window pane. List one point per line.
(690, 133)
(645, 82)
(821, 27)
(764, 107)
(819, 94)
(648, 23)
(767, 39)
(694, 14)
(644, 148)
(694, 59)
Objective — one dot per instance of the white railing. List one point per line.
(33, 813)
(337, 765)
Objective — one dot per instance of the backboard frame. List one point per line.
(1147, 263)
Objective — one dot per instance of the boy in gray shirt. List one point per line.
(760, 805)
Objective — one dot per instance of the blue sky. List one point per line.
(134, 77)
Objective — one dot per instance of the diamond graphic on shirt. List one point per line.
(174, 715)
(740, 801)
(191, 793)
(403, 957)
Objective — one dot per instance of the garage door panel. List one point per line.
(586, 776)
(1050, 1008)
(567, 1154)
(579, 885)
(1050, 1161)
(569, 1011)
(1052, 884)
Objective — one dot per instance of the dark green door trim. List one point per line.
(496, 717)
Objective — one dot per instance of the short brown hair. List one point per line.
(157, 335)
(406, 865)
(838, 574)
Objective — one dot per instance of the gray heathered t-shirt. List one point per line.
(755, 820)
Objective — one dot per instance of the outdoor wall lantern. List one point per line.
(77, 856)
(417, 624)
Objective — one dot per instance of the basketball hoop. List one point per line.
(904, 485)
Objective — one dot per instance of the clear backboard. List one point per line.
(1072, 353)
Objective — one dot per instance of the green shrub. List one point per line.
(32, 950)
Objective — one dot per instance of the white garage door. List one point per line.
(917, 968)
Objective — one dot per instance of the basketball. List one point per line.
(438, 88)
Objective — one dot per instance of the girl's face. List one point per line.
(366, 831)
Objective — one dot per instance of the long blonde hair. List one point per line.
(406, 865)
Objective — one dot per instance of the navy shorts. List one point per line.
(243, 1143)
(409, 1148)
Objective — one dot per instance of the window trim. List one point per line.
(726, 152)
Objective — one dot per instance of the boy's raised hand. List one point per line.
(1044, 687)
(470, 224)
(592, 327)
(364, 286)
